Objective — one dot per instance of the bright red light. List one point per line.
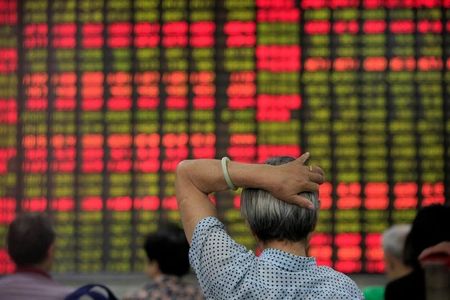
(169, 203)
(147, 153)
(240, 28)
(146, 41)
(317, 27)
(403, 26)
(62, 204)
(119, 204)
(202, 28)
(243, 139)
(402, 64)
(34, 104)
(346, 64)
(204, 102)
(144, 28)
(319, 239)
(147, 103)
(34, 204)
(147, 140)
(313, 3)
(348, 266)
(242, 152)
(317, 64)
(7, 210)
(430, 63)
(201, 139)
(405, 189)
(349, 253)
(119, 104)
(241, 89)
(322, 252)
(241, 40)
(92, 166)
(147, 166)
(147, 203)
(119, 41)
(92, 204)
(290, 15)
(175, 28)
(374, 26)
(347, 239)
(343, 3)
(204, 152)
(266, 151)
(405, 203)
(375, 64)
(425, 26)
(346, 27)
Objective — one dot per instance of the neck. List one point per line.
(295, 248)
(401, 271)
(38, 269)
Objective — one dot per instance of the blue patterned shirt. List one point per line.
(227, 270)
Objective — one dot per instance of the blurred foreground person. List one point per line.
(167, 254)
(430, 227)
(31, 245)
(277, 216)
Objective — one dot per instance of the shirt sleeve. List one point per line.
(218, 261)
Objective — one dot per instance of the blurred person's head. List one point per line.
(167, 252)
(430, 227)
(30, 241)
(273, 220)
(393, 247)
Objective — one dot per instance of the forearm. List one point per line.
(207, 174)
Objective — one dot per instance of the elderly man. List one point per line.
(31, 245)
(393, 247)
(276, 213)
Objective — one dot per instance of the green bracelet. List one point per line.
(230, 183)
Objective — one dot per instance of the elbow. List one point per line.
(182, 169)
(182, 173)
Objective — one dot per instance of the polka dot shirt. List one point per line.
(227, 270)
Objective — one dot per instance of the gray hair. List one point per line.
(273, 219)
(394, 240)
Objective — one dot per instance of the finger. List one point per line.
(316, 169)
(302, 202)
(310, 187)
(304, 157)
(317, 178)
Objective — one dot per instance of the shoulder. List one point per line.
(32, 285)
(339, 282)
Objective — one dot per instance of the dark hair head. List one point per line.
(272, 219)
(430, 227)
(170, 249)
(29, 237)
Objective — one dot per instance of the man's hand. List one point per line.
(288, 180)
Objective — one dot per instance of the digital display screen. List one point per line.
(100, 100)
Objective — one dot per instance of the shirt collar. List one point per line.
(287, 261)
(33, 270)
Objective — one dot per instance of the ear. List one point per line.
(152, 269)
(51, 252)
